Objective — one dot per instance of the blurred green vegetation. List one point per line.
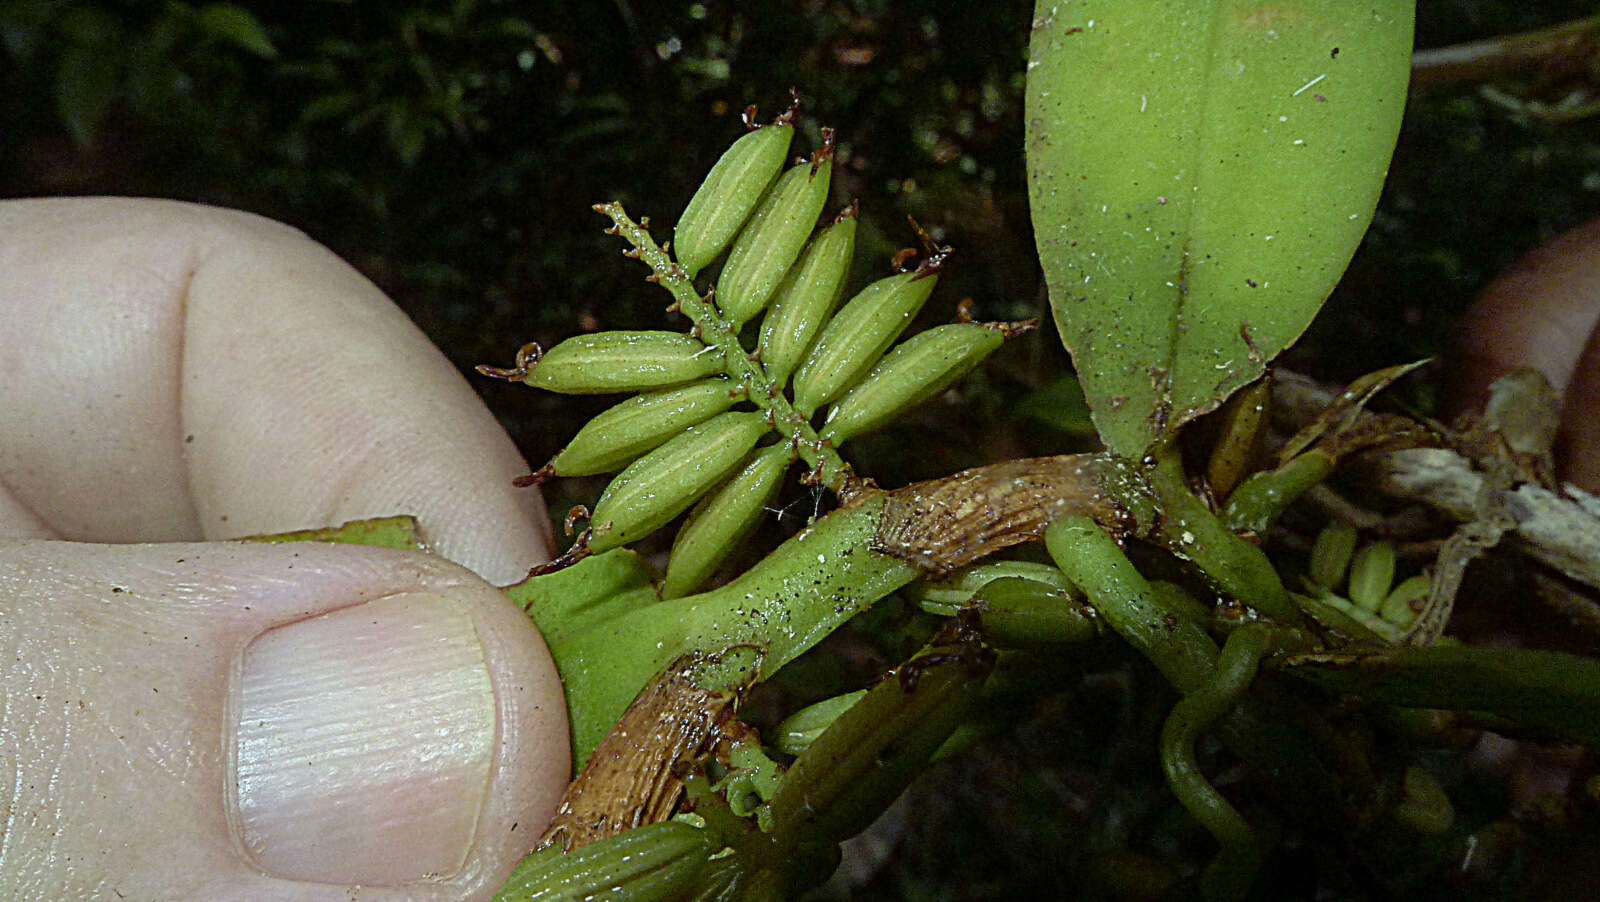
(451, 151)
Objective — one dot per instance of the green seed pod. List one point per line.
(1371, 575)
(868, 756)
(729, 194)
(948, 595)
(617, 436)
(1397, 607)
(801, 728)
(1424, 806)
(1017, 612)
(657, 487)
(774, 237)
(858, 335)
(1330, 555)
(721, 519)
(639, 865)
(807, 297)
(605, 362)
(916, 370)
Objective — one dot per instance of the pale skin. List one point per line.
(1545, 313)
(172, 376)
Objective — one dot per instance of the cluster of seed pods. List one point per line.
(690, 437)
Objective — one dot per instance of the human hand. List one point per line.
(1542, 313)
(237, 721)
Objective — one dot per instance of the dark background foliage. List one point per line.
(451, 151)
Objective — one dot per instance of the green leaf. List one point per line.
(1543, 689)
(1200, 174)
(578, 608)
(239, 27)
(379, 532)
(584, 596)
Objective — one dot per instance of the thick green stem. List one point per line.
(784, 605)
(1094, 562)
(611, 640)
(712, 328)
(1239, 568)
(1261, 498)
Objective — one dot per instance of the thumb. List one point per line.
(286, 722)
